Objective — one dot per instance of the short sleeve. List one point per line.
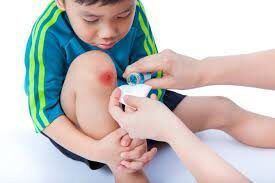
(45, 74)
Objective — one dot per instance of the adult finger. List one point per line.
(129, 109)
(153, 97)
(164, 82)
(133, 101)
(114, 105)
(147, 64)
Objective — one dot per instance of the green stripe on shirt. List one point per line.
(148, 39)
(32, 66)
(37, 126)
(41, 80)
(146, 32)
(43, 14)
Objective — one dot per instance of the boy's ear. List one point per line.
(60, 4)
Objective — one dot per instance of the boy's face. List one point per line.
(100, 26)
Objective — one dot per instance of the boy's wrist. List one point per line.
(94, 151)
(98, 152)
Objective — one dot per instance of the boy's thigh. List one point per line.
(84, 99)
(82, 95)
(67, 100)
(202, 112)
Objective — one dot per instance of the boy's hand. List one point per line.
(138, 157)
(109, 148)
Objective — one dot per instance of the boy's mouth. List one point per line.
(106, 45)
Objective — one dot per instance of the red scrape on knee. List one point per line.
(106, 78)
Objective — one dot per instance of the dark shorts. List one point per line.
(170, 99)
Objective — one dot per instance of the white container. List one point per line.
(139, 90)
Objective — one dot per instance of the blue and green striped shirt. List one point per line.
(53, 46)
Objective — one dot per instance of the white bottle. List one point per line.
(138, 78)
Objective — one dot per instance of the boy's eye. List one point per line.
(91, 20)
(124, 15)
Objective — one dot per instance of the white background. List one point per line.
(198, 28)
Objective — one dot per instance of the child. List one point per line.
(75, 57)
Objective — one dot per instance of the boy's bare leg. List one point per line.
(85, 97)
(201, 113)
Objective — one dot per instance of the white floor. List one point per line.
(32, 159)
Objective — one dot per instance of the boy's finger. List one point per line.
(126, 141)
(122, 168)
(134, 154)
(119, 133)
(137, 142)
(134, 165)
(148, 156)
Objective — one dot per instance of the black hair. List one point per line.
(90, 2)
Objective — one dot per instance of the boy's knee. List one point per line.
(94, 67)
(223, 101)
(224, 113)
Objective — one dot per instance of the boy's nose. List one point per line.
(108, 33)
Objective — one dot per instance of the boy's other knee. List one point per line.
(225, 112)
(94, 67)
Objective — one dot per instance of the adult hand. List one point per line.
(150, 120)
(179, 71)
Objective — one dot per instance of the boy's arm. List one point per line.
(64, 132)
(254, 70)
(45, 74)
(106, 150)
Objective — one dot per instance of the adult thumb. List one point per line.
(135, 102)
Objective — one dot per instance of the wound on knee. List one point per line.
(106, 78)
